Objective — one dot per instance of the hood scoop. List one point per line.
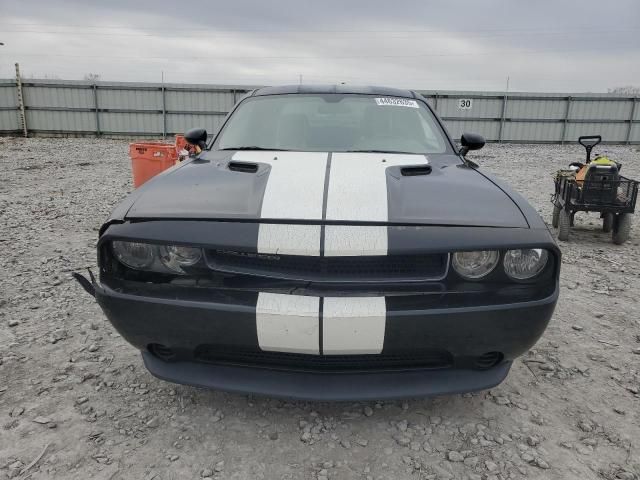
(244, 167)
(415, 170)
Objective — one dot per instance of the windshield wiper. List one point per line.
(383, 151)
(257, 148)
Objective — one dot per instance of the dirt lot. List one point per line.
(76, 401)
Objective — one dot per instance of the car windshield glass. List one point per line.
(333, 122)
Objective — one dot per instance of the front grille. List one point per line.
(424, 359)
(379, 268)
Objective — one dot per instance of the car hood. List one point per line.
(317, 187)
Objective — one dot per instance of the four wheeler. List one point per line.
(595, 186)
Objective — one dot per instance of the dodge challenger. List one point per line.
(328, 243)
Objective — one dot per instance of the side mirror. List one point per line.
(197, 136)
(471, 141)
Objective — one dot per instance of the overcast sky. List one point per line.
(562, 46)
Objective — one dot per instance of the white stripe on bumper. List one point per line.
(288, 323)
(354, 325)
(291, 323)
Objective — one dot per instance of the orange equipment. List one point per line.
(149, 159)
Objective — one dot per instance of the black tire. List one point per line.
(622, 228)
(554, 217)
(564, 225)
(607, 222)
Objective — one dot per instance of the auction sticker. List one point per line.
(396, 102)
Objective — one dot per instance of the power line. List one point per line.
(588, 29)
(315, 57)
(385, 35)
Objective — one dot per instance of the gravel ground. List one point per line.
(76, 401)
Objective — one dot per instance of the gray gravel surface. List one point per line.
(76, 401)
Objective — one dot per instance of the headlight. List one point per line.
(134, 254)
(155, 258)
(525, 263)
(475, 265)
(175, 257)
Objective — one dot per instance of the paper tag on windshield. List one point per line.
(397, 102)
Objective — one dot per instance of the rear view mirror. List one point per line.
(197, 136)
(471, 141)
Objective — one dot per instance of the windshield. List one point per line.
(333, 122)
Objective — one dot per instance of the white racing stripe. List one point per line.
(353, 325)
(295, 190)
(291, 323)
(352, 240)
(358, 185)
(358, 192)
(288, 323)
(288, 239)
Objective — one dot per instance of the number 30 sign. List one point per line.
(465, 104)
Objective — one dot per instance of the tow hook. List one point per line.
(88, 285)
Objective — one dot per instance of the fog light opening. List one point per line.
(162, 352)
(488, 360)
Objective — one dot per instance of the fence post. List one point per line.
(164, 114)
(631, 117)
(566, 120)
(23, 118)
(95, 105)
(504, 110)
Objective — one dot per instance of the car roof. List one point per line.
(353, 89)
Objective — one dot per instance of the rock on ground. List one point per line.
(62, 365)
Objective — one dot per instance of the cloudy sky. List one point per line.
(545, 45)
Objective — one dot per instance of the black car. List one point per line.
(329, 243)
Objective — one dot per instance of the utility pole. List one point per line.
(300, 79)
(507, 84)
(164, 109)
(23, 118)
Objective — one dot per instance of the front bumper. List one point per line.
(464, 333)
(327, 386)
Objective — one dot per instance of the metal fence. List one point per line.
(65, 107)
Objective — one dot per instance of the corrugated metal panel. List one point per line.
(129, 99)
(9, 120)
(199, 101)
(610, 110)
(60, 121)
(57, 97)
(551, 109)
(532, 132)
(610, 132)
(150, 123)
(46, 101)
(8, 96)
(481, 108)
